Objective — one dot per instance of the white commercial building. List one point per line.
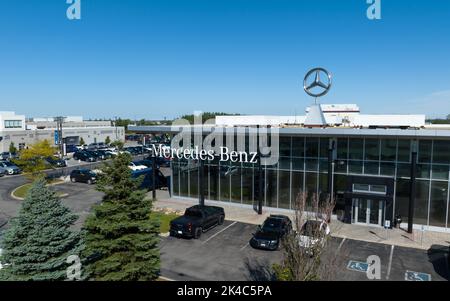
(22, 132)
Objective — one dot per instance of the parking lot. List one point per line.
(223, 253)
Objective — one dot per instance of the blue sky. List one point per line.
(164, 58)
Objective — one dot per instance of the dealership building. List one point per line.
(378, 167)
(22, 131)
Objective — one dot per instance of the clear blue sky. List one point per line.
(164, 58)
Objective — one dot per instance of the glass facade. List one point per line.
(303, 166)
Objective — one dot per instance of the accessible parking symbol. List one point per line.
(417, 276)
(358, 266)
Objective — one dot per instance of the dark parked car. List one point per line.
(160, 161)
(83, 175)
(269, 235)
(147, 182)
(56, 162)
(84, 156)
(196, 220)
(71, 148)
(104, 154)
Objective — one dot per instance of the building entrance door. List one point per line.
(368, 212)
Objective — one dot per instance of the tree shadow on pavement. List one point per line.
(259, 269)
(439, 256)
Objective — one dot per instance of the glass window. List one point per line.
(342, 148)
(311, 188)
(371, 168)
(421, 203)
(284, 163)
(403, 170)
(298, 163)
(355, 167)
(175, 177)
(387, 169)
(341, 166)
(312, 147)
(235, 174)
(388, 149)
(224, 179)
(404, 150)
(284, 189)
(423, 171)
(438, 205)
(441, 151)
(372, 149)
(271, 188)
(323, 165)
(285, 146)
(440, 172)
(360, 187)
(247, 185)
(324, 145)
(356, 148)
(214, 181)
(298, 146)
(184, 179)
(297, 184)
(193, 182)
(402, 199)
(424, 154)
(312, 164)
(323, 187)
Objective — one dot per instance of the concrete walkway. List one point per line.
(246, 214)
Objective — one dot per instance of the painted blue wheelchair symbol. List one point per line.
(357, 266)
(417, 276)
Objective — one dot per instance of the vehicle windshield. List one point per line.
(271, 225)
(193, 213)
(310, 229)
(8, 164)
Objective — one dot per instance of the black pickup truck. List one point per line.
(196, 220)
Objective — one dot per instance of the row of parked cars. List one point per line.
(198, 219)
(89, 176)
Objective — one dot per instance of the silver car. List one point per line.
(10, 168)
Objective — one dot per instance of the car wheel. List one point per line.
(198, 233)
(73, 180)
(221, 218)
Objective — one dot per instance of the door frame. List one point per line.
(369, 202)
(387, 198)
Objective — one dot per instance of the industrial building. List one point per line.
(378, 167)
(22, 132)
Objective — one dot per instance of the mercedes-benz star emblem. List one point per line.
(317, 83)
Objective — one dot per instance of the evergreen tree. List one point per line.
(121, 238)
(39, 241)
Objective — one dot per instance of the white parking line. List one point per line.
(246, 245)
(219, 232)
(340, 245)
(390, 262)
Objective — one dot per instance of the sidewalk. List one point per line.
(246, 214)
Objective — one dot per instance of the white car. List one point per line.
(313, 232)
(135, 167)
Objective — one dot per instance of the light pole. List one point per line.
(59, 129)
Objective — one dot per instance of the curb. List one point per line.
(63, 195)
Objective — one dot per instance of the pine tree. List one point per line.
(39, 241)
(121, 238)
